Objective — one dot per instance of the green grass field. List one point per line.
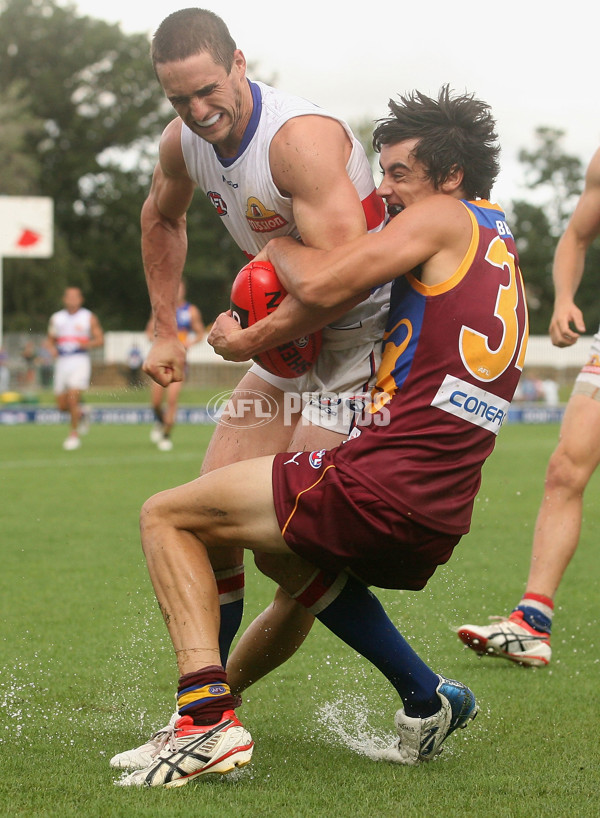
(86, 668)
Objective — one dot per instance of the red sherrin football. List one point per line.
(255, 293)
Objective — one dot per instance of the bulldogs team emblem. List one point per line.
(218, 202)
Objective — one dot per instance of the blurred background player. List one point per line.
(190, 331)
(524, 636)
(72, 332)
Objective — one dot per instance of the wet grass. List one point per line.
(86, 668)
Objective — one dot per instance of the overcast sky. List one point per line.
(536, 63)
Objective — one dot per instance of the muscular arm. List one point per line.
(290, 320)
(150, 329)
(51, 341)
(164, 248)
(308, 162)
(433, 234)
(97, 333)
(569, 259)
(308, 159)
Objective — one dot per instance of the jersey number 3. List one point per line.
(484, 363)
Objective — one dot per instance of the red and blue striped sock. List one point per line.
(537, 610)
(230, 585)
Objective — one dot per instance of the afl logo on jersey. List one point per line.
(316, 458)
(261, 219)
(218, 202)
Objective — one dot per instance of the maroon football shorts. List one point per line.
(336, 523)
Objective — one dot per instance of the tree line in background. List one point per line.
(81, 113)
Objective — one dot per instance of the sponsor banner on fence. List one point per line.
(118, 415)
(46, 416)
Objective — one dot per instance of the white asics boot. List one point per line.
(144, 755)
(510, 638)
(191, 751)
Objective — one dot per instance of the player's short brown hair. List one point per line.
(192, 31)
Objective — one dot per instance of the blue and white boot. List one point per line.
(422, 739)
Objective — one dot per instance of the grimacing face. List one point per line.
(214, 104)
(405, 179)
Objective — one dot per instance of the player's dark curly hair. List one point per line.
(452, 131)
(191, 31)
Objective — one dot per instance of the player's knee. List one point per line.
(564, 473)
(153, 515)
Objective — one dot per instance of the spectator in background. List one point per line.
(72, 332)
(30, 357)
(46, 365)
(190, 331)
(4, 371)
(135, 359)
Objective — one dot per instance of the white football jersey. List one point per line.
(249, 203)
(70, 329)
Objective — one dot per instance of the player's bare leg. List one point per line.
(235, 502)
(156, 400)
(269, 641)
(277, 633)
(237, 438)
(178, 524)
(69, 402)
(569, 470)
(243, 434)
(170, 412)
(525, 636)
(281, 629)
(166, 418)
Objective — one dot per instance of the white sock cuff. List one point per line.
(539, 606)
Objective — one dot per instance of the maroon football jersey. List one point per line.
(452, 358)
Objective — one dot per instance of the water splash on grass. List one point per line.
(345, 722)
(55, 695)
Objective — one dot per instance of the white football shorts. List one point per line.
(333, 392)
(588, 380)
(72, 372)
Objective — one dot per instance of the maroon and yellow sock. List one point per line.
(204, 695)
